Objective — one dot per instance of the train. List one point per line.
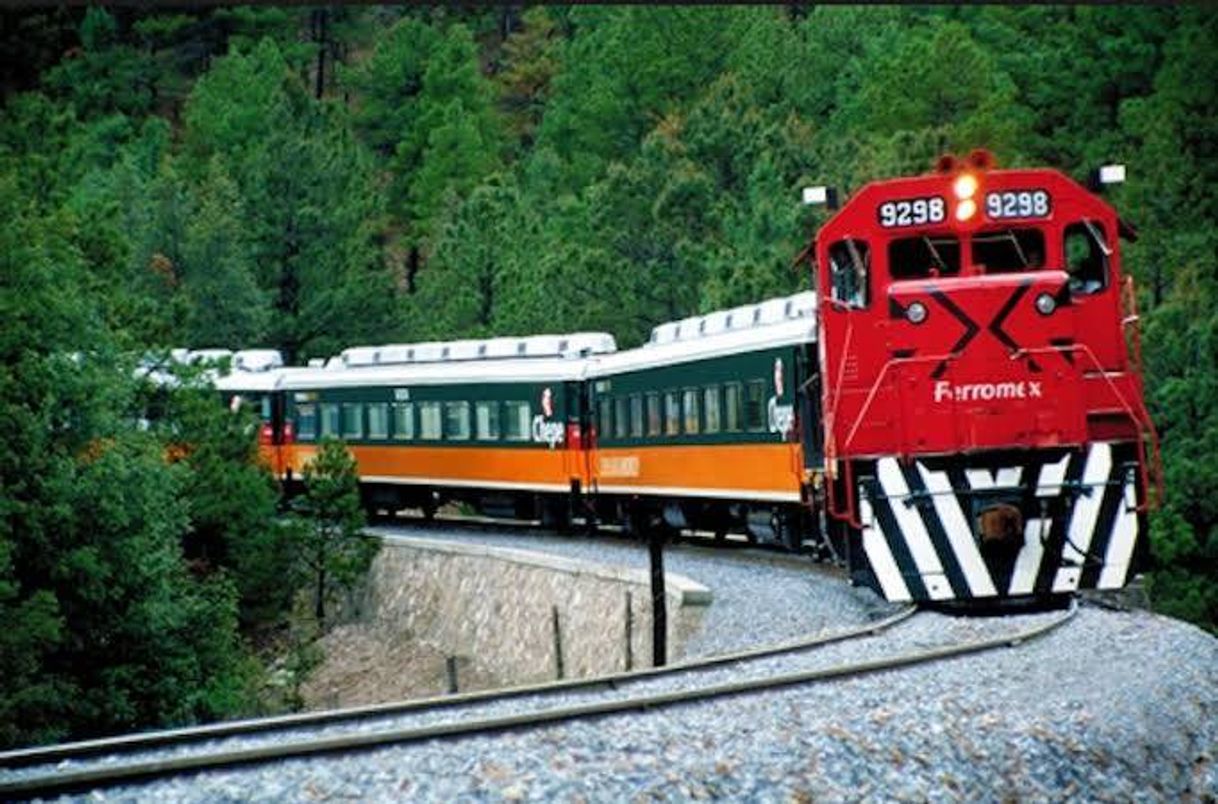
(954, 410)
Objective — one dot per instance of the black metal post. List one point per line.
(629, 631)
(659, 604)
(450, 665)
(558, 666)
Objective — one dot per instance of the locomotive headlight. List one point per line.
(966, 209)
(965, 186)
(1045, 304)
(916, 313)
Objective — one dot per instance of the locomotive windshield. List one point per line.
(1009, 250)
(923, 256)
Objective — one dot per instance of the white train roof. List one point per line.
(437, 373)
(538, 358)
(248, 369)
(575, 344)
(747, 318)
(782, 321)
(266, 380)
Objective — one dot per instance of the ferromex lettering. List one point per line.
(946, 391)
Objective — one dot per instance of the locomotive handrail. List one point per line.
(1131, 322)
(1137, 414)
(875, 387)
(850, 515)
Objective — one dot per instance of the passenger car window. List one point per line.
(306, 422)
(378, 420)
(329, 419)
(710, 408)
(733, 407)
(1086, 253)
(430, 421)
(403, 421)
(672, 413)
(516, 421)
(850, 272)
(604, 417)
(621, 417)
(486, 421)
(636, 416)
(754, 408)
(692, 417)
(353, 420)
(654, 419)
(456, 421)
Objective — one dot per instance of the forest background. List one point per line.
(309, 178)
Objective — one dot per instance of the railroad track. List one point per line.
(83, 766)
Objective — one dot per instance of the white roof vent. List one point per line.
(772, 311)
(430, 352)
(257, 359)
(360, 356)
(502, 347)
(590, 343)
(464, 350)
(396, 353)
(542, 346)
(747, 316)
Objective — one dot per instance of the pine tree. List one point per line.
(333, 548)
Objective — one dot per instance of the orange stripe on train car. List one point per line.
(465, 464)
(750, 467)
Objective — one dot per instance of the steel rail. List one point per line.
(73, 781)
(161, 739)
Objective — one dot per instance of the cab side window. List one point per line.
(850, 272)
(1086, 253)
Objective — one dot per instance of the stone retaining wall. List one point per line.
(493, 608)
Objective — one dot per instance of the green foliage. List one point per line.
(105, 630)
(332, 547)
(171, 179)
(308, 202)
(231, 499)
(106, 76)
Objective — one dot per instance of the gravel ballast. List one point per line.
(1113, 706)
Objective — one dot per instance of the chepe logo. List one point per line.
(781, 418)
(544, 430)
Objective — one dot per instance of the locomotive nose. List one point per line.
(983, 361)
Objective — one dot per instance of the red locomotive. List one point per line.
(985, 434)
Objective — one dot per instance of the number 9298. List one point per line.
(1017, 204)
(912, 212)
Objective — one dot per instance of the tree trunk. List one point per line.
(319, 36)
(319, 603)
